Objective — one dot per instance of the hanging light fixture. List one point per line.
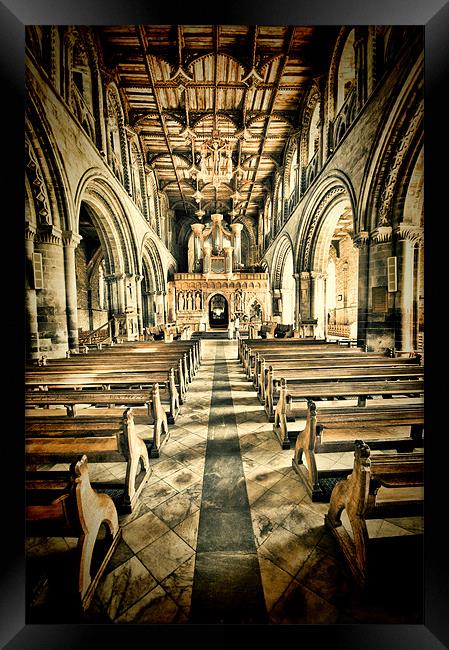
(216, 160)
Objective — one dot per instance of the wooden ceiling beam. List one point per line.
(280, 71)
(144, 44)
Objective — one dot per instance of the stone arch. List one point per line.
(110, 220)
(396, 146)
(283, 247)
(45, 170)
(330, 191)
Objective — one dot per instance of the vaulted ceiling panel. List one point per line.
(182, 82)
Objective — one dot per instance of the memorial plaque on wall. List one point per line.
(379, 299)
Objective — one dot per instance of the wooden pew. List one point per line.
(293, 399)
(100, 399)
(268, 374)
(335, 429)
(108, 438)
(374, 490)
(358, 371)
(64, 504)
(124, 364)
(321, 351)
(47, 379)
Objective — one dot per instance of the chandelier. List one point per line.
(216, 160)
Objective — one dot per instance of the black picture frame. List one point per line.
(434, 16)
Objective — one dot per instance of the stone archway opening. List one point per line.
(335, 274)
(218, 312)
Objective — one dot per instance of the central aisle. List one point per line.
(227, 585)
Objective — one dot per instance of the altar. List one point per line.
(217, 288)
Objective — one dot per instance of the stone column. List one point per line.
(206, 260)
(361, 240)
(70, 241)
(116, 291)
(197, 232)
(228, 259)
(407, 236)
(297, 322)
(32, 333)
(237, 244)
(217, 235)
(380, 330)
(317, 300)
(139, 279)
(159, 300)
(171, 303)
(51, 300)
(305, 295)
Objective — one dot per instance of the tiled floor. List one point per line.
(150, 576)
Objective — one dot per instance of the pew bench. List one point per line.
(380, 486)
(358, 372)
(100, 401)
(46, 379)
(334, 429)
(292, 402)
(104, 439)
(267, 372)
(64, 504)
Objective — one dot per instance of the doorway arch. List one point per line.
(218, 311)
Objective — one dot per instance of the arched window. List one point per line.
(314, 132)
(346, 71)
(116, 138)
(81, 88)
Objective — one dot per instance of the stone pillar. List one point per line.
(407, 236)
(139, 279)
(197, 232)
(32, 333)
(317, 301)
(206, 260)
(116, 292)
(305, 301)
(228, 259)
(51, 300)
(361, 240)
(70, 241)
(171, 303)
(380, 330)
(237, 244)
(297, 322)
(217, 235)
(159, 300)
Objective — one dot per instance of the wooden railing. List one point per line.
(102, 334)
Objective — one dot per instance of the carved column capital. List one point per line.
(382, 234)
(361, 239)
(70, 238)
(318, 275)
(197, 228)
(30, 231)
(48, 234)
(408, 231)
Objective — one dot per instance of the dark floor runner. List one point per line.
(227, 586)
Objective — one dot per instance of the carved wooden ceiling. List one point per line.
(179, 82)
